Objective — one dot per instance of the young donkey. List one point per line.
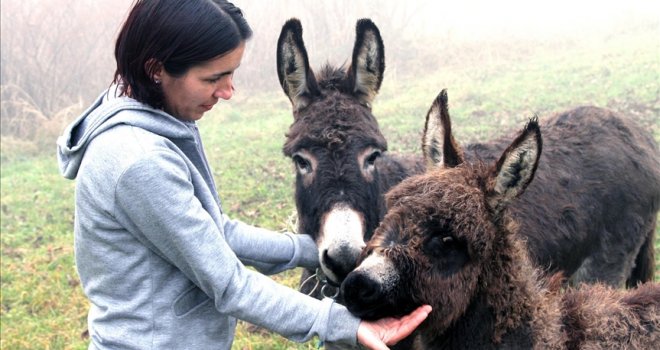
(582, 216)
(449, 240)
(337, 147)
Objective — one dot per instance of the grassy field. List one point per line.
(42, 303)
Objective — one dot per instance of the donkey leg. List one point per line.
(613, 260)
(594, 269)
(644, 268)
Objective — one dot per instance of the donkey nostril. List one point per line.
(370, 291)
(340, 263)
(328, 261)
(359, 289)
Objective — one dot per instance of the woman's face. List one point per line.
(189, 96)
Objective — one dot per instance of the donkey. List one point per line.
(591, 213)
(450, 240)
(339, 152)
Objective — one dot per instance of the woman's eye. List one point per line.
(218, 78)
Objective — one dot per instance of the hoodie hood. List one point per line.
(104, 114)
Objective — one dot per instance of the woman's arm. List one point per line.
(156, 201)
(270, 252)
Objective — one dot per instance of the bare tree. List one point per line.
(54, 54)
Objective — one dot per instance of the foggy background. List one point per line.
(57, 55)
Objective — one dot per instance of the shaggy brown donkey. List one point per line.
(448, 240)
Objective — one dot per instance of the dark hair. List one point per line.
(178, 34)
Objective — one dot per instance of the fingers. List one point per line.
(375, 335)
(371, 340)
(408, 324)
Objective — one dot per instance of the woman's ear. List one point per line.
(154, 70)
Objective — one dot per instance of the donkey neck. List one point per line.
(476, 329)
(502, 312)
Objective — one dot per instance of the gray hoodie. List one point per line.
(161, 264)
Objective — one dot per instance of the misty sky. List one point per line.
(474, 18)
(85, 30)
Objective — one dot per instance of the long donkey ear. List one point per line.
(296, 77)
(516, 167)
(368, 62)
(438, 144)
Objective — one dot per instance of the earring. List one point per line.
(157, 81)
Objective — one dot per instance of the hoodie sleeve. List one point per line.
(155, 199)
(270, 252)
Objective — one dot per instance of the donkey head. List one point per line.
(334, 142)
(441, 232)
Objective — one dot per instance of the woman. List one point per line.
(160, 262)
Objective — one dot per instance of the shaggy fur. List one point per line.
(591, 211)
(453, 243)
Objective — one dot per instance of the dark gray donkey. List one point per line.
(339, 153)
(591, 212)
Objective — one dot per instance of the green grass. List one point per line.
(42, 303)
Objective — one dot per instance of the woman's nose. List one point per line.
(225, 90)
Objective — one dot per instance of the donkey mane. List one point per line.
(313, 126)
(333, 78)
(318, 128)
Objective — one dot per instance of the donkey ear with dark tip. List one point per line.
(293, 70)
(515, 169)
(368, 62)
(438, 144)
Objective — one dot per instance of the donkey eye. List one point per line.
(438, 245)
(371, 160)
(447, 253)
(302, 164)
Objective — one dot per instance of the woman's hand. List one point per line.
(376, 335)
